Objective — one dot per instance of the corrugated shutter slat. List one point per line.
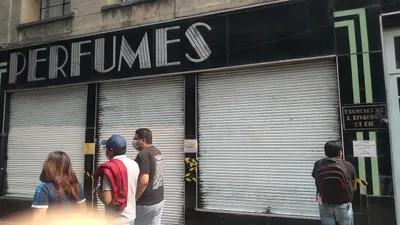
(157, 104)
(42, 121)
(260, 132)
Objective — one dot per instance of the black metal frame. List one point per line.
(65, 2)
(5, 119)
(96, 158)
(90, 138)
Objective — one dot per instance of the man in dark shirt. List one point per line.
(332, 214)
(150, 190)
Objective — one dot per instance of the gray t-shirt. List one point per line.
(129, 213)
(151, 162)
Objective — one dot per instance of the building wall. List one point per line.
(20, 25)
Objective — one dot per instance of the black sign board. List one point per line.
(160, 49)
(364, 117)
(246, 36)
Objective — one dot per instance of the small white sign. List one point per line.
(364, 148)
(190, 145)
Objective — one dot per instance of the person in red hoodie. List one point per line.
(118, 181)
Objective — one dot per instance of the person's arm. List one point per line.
(104, 191)
(40, 203)
(142, 185)
(315, 181)
(143, 160)
(354, 182)
(313, 171)
(82, 199)
(353, 176)
(38, 214)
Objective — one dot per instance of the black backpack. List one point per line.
(333, 180)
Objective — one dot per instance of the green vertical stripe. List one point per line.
(354, 63)
(369, 97)
(366, 61)
(353, 58)
(375, 169)
(361, 164)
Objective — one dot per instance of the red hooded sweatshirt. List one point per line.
(118, 176)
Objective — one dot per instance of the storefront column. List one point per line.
(4, 118)
(190, 136)
(90, 140)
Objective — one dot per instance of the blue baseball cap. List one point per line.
(116, 142)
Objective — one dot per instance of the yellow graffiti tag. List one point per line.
(191, 173)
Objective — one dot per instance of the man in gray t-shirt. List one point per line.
(150, 191)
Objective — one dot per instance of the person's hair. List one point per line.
(333, 148)
(57, 169)
(117, 153)
(145, 133)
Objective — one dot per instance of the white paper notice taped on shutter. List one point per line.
(190, 145)
(364, 148)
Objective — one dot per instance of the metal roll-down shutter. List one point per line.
(157, 104)
(260, 132)
(42, 121)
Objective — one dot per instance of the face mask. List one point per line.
(134, 145)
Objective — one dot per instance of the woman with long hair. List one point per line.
(59, 186)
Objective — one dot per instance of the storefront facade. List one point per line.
(240, 103)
